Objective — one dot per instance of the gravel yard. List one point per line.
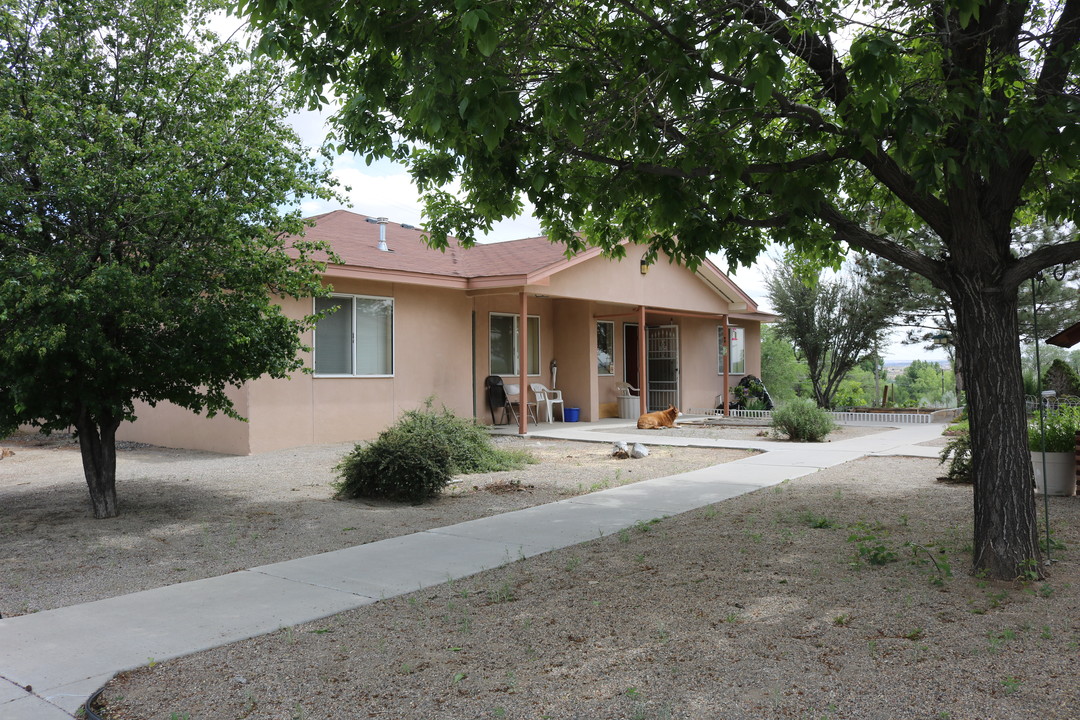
(844, 594)
(767, 606)
(187, 515)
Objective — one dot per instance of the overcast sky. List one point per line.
(385, 189)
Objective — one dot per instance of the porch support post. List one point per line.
(523, 366)
(726, 362)
(643, 359)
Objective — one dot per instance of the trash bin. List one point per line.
(629, 407)
(572, 414)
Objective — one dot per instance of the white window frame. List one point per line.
(517, 344)
(352, 324)
(738, 350)
(611, 354)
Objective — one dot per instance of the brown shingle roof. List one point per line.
(356, 241)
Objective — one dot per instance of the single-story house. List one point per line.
(413, 322)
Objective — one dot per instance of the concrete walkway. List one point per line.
(50, 662)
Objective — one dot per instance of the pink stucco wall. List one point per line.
(171, 426)
(435, 355)
(432, 357)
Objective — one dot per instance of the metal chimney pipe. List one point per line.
(382, 234)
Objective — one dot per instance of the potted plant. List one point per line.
(1057, 436)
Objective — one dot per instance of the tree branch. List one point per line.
(932, 210)
(650, 168)
(1044, 257)
(835, 86)
(858, 237)
(818, 158)
(808, 47)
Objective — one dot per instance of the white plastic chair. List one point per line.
(513, 397)
(549, 398)
(625, 389)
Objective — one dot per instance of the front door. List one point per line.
(663, 369)
(630, 355)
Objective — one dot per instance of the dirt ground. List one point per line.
(187, 515)
(844, 594)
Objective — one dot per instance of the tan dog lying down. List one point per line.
(658, 419)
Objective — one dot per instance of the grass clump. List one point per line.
(802, 420)
(413, 460)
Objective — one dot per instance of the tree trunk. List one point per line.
(1006, 528)
(97, 442)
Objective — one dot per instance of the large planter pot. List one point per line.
(1060, 472)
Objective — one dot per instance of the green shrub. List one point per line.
(471, 449)
(802, 420)
(1062, 424)
(754, 403)
(416, 458)
(398, 465)
(957, 452)
(960, 425)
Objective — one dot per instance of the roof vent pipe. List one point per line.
(382, 234)
(382, 231)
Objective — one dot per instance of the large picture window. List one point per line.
(357, 339)
(503, 342)
(737, 358)
(605, 347)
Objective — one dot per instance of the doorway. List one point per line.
(630, 355)
(663, 366)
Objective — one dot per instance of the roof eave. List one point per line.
(1067, 337)
(757, 316)
(357, 272)
(724, 285)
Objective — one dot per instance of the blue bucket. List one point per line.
(572, 414)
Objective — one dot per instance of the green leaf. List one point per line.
(487, 40)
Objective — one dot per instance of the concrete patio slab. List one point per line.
(756, 474)
(72, 696)
(51, 649)
(10, 691)
(397, 565)
(677, 497)
(34, 708)
(803, 458)
(549, 527)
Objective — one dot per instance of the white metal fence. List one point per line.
(846, 417)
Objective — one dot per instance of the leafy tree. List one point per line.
(781, 372)
(1062, 378)
(921, 383)
(706, 126)
(143, 171)
(852, 393)
(834, 323)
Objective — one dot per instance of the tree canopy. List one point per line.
(702, 126)
(834, 322)
(145, 174)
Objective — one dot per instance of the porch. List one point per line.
(589, 351)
